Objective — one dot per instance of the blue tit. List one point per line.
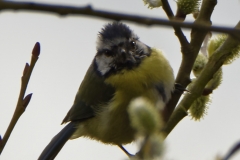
(123, 69)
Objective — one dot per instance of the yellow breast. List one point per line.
(152, 70)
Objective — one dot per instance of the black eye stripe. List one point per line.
(121, 44)
(131, 45)
(108, 53)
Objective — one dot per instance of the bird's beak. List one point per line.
(126, 57)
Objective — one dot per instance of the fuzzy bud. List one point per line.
(199, 64)
(153, 3)
(188, 6)
(200, 105)
(235, 53)
(151, 148)
(144, 117)
(216, 42)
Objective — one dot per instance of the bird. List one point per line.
(123, 69)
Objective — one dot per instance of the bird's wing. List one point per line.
(161, 91)
(92, 92)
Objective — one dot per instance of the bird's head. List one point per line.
(118, 48)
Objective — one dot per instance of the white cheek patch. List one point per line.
(103, 63)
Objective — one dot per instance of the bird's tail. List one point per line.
(56, 144)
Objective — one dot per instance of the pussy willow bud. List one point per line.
(144, 117)
(188, 6)
(200, 105)
(199, 64)
(216, 42)
(151, 148)
(233, 56)
(153, 3)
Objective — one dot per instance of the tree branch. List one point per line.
(213, 65)
(89, 11)
(190, 52)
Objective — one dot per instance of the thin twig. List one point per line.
(178, 31)
(232, 151)
(185, 48)
(22, 102)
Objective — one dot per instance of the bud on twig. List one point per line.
(199, 64)
(26, 68)
(216, 42)
(188, 6)
(144, 116)
(200, 105)
(36, 50)
(26, 100)
(153, 3)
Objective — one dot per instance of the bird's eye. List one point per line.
(133, 44)
(107, 53)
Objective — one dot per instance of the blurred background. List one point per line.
(67, 49)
